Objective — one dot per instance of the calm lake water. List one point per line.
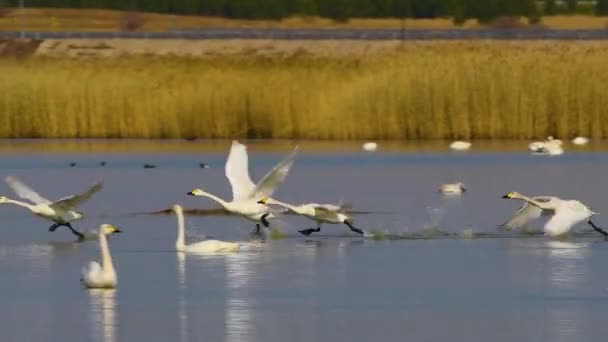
(330, 287)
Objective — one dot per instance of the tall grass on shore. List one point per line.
(435, 90)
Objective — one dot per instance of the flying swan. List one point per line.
(59, 211)
(246, 194)
(564, 214)
(101, 276)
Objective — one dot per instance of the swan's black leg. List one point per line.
(74, 231)
(354, 229)
(598, 229)
(257, 233)
(264, 220)
(53, 227)
(309, 231)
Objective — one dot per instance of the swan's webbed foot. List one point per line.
(309, 231)
(354, 229)
(53, 227)
(598, 229)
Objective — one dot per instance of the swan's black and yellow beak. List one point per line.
(508, 195)
(263, 200)
(190, 193)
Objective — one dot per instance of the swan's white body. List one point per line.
(564, 213)
(580, 141)
(207, 246)
(104, 275)
(370, 146)
(246, 194)
(550, 146)
(59, 211)
(460, 145)
(452, 188)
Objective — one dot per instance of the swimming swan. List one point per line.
(452, 188)
(564, 213)
(460, 145)
(321, 213)
(550, 146)
(245, 194)
(101, 276)
(59, 211)
(580, 141)
(207, 246)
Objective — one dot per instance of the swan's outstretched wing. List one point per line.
(237, 171)
(526, 213)
(267, 185)
(72, 201)
(25, 191)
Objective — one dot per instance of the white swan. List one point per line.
(59, 211)
(460, 145)
(550, 146)
(580, 141)
(245, 194)
(452, 188)
(370, 146)
(564, 213)
(101, 276)
(320, 213)
(207, 246)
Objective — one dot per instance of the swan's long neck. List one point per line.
(535, 202)
(180, 245)
(213, 197)
(19, 203)
(106, 258)
(294, 208)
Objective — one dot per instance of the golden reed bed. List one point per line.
(423, 90)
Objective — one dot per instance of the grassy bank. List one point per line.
(421, 90)
(65, 19)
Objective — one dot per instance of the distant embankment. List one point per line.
(526, 33)
(313, 90)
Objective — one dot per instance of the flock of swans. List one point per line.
(549, 146)
(254, 202)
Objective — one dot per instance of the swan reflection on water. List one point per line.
(103, 314)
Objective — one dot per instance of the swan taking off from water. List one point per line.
(101, 276)
(59, 211)
(321, 213)
(246, 194)
(564, 214)
(460, 145)
(207, 246)
(452, 188)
